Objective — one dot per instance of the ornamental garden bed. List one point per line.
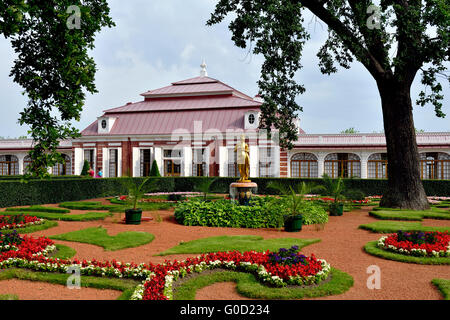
(285, 267)
(19, 221)
(413, 247)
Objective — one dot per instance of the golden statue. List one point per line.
(243, 159)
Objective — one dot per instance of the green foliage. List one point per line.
(136, 191)
(277, 31)
(386, 214)
(205, 186)
(333, 187)
(238, 243)
(63, 189)
(39, 209)
(249, 286)
(90, 216)
(154, 170)
(39, 227)
(394, 226)
(53, 66)
(444, 287)
(85, 170)
(263, 212)
(63, 252)
(99, 237)
(227, 213)
(374, 250)
(350, 131)
(354, 194)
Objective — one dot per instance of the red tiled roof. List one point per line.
(166, 122)
(187, 103)
(195, 87)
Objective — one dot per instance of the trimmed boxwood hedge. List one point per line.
(57, 189)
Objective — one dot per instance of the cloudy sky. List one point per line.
(158, 42)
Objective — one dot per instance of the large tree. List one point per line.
(394, 41)
(51, 39)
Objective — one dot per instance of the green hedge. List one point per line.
(55, 190)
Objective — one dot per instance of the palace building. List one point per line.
(190, 128)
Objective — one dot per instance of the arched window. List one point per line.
(304, 165)
(9, 165)
(344, 165)
(26, 163)
(377, 166)
(435, 165)
(62, 169)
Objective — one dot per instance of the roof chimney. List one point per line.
(203, 72)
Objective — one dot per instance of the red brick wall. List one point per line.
(283, 163)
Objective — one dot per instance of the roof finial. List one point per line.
(203, 72)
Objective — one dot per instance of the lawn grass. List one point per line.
(127, 286)
(249, 286)
(63, 252)
(9, 297)
(373, 249)
(89, 216)
(394, 226)
(409, 215)
(118, 206)
(40, 209)
(98, 236)
(443, 286)
(39, 227)
(239, 243)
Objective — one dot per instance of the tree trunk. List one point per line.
(405, 189)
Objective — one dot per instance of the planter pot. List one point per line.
(336, 209)
(133, 216)
(293, 224)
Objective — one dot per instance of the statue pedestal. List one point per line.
(243, 191)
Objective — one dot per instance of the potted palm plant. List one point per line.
(205, 187)
(135, 193)
(334, 188)
(293, 219)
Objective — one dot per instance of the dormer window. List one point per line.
(251, 119)
(105, 124)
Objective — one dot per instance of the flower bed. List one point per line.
(423, 244)
(18, 221)
(158, 279)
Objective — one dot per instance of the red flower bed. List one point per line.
(17, 221)
(419, 244)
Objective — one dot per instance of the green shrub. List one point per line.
(354, 194)
(313, 213)
(154, 171)
(227, 213)
(84, 171)
(61, 189)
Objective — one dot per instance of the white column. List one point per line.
(105, 165)
(254, 160)
(20, 158)
(78, 161)
(364, 157)
(223, 159)
(119, 162)
(276, 159)
(136, 162)
(159, 160)
(321, 163)
(187, 161)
